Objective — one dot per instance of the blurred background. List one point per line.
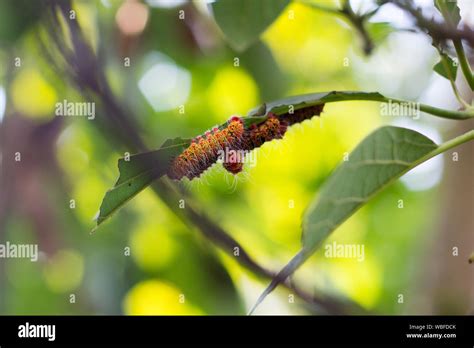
(175, 75)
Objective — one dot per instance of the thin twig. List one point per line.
(463, 62)
(435, 29)
(348, 14)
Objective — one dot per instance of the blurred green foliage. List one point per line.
(145, 258)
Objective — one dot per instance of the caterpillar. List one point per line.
(204, 150)
(269, 130)
(299, 116)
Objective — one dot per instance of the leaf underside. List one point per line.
(137, 173)
(281, 106)
(375, 163)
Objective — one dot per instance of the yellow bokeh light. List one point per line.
(231, 92)
(351, 121)
(86, 201)
(304, 40)
(64, 271)
(359, 280)
(152, 246)
(32, 95)
(281, 217)
(153, 297)
(73, 149)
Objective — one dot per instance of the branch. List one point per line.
(340, 96)
(347, 13)
(436, 30)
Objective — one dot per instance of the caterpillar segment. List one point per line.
(203, 151)
(255, 137)
(269, 130)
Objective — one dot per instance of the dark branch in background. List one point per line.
(118, 125)
(437, 30)
(359, 22)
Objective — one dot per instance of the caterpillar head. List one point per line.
(234, 119)
(233, 167)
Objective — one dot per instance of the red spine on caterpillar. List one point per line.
(204, 150)
(235, 118)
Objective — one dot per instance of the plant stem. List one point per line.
(464, 63)
(359, 24)
(452, 79)
(437, 30)
(466, 69)
(370, 96)
(461, 139)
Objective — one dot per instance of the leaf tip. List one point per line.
(96, 216)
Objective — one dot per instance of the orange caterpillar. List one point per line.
(204, 150)
(255, 137)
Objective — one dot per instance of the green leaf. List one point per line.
(375, 163)
(242, 21)
(281, 106)
(379, 31)
(17, 17)
(450, 10)
(380, 159)
(137, 173)
(446, 67)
